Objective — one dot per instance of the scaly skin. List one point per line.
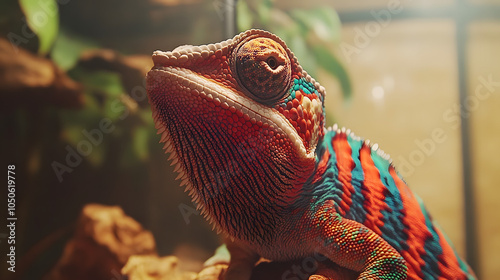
(244, 124)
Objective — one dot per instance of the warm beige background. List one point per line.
(406, 91)
(484, 60)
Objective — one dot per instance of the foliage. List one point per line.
(68, 48)
(117, 162)
(310, 34)
(104, 92)
(43, 19)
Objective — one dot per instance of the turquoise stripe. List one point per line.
(393, 229)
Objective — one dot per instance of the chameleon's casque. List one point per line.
(244, 126)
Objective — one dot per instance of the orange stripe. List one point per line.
(415, 228)
(345, 164)
(448, 263)
(322, 166)
(373, 191)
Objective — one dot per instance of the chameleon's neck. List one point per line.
(242, 172)
(247, 187)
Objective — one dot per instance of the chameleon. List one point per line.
(245, 128)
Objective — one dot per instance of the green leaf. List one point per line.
(330, 63)
(106, 87)
(68, 48)
(43, 19)
(108, 82)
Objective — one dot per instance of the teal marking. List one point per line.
(393, 229)
(357, 211)
(304, 86)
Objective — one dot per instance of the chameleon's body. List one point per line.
(244, 124)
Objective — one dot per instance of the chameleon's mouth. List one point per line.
(190, 83)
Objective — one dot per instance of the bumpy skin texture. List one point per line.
(244, 124)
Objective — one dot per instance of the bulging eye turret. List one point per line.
(263, 69)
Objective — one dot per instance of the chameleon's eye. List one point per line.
(272, 62)
(263, 69)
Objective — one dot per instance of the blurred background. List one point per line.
(420, 78)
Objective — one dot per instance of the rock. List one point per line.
(109, 245)
(155, 268)
(29, 80)
(132, 70)
(103, 241)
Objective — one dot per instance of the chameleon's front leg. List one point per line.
(354, 246)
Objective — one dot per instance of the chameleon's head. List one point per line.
(242, 111)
